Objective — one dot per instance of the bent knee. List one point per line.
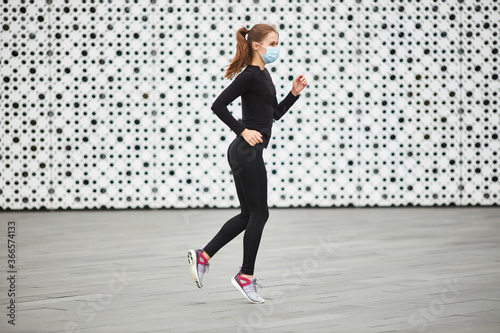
(261, 216)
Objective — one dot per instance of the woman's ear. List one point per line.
(255, 46)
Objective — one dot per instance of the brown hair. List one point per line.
(244, 53)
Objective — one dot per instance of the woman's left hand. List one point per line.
(298, 84)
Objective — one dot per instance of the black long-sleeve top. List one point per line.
(258, 102)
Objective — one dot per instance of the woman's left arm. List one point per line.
(280, 109)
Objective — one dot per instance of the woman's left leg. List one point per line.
(254, 183)
(259, 214)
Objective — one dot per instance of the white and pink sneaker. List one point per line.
(247, 287)
(198, 266)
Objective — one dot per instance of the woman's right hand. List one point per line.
(252, 136)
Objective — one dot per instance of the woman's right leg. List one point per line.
(235, 225)
(250, 178)
(198, 259)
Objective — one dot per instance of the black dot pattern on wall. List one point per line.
(106, 104)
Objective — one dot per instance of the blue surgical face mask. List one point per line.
(271, 55)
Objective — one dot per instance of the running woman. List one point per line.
(255, 48)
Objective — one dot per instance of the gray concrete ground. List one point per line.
(325, 270)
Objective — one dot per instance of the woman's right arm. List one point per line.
(241, 84)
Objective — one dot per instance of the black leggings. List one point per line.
(250, 178)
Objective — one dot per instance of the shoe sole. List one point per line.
(192, 260)
(237, 285)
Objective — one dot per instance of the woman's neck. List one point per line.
(257, 61)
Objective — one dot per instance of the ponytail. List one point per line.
(243, 55)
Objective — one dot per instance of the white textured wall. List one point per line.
(107, 104)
